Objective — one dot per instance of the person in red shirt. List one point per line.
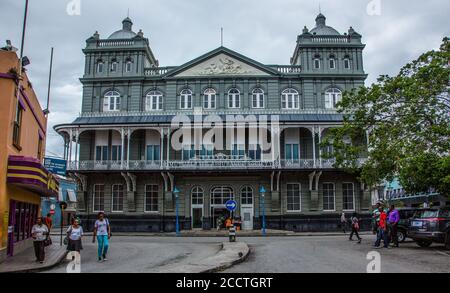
(382, 230)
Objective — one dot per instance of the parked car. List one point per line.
(403, 226)
(431, 225)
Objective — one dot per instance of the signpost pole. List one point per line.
(263, 195)
(176, 191)
(62, 222)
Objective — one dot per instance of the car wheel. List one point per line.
(401, 235)
(447, 240)
(424, 243)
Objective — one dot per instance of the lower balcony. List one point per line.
(202, 164)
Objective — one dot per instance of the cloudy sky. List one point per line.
(180, 30)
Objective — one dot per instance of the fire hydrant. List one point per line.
(232, 234)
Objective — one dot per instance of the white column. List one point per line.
(70, 146)
(122, 153)
(162, 147)
(168, 145)
(320, 149)
(314, 144)
(128, 147)
(77, 138)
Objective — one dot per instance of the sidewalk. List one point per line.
(223, 233)
(24, 262)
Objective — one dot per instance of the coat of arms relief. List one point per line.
(224, 65)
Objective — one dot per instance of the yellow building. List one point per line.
(23, 179)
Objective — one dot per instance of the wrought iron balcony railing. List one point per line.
(202, 164)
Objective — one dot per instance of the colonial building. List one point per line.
(23, 179)
(121, 149)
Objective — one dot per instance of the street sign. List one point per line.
(231, 205)
(56, 166)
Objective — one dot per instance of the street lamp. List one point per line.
(176, 191)
(262, 191)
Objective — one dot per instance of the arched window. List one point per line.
(100, 66)
(247, 195)
(114, 65)
(234, 98)
(258, 98)
(332, 97)
(128, 65)
(111, 101)
(317, 62)
(332, 62)
(154, 101)
(290, 99)
(186, 99)
(197, 196)
(209, 99)
(220, 195)
(347, 63)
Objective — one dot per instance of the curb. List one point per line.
(226, 235)
(230, 264)
(40, 269)
(227, 256)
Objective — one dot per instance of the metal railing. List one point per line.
(208, 112)
(202, 164)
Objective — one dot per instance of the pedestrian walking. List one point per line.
(394, 219)
(382, 232)
(48, 222)
(355, 228)
(102, 231)
(343, 223)
(74, 235)
(39, 233)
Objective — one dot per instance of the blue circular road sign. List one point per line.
(231, 205)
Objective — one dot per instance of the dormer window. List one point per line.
(332, 62)
(128, 65)
(317, 62)
(100, 65)
(111, 101)
(114, 65)
(347, 63)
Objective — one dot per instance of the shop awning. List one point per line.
(28, 173)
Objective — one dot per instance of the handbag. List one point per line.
(48, 241)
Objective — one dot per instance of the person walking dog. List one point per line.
(102, 232)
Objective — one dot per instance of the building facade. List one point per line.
(122, 148)
(23, 179)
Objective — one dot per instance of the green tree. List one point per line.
(407, 121)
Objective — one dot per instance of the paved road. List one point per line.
(143, 254)
(337, 255)
(330, 254)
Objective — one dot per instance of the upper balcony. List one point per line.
(204, 164)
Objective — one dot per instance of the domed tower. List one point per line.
(123, 53)
(324, 50)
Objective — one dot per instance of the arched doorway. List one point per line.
(219, 197)
(247, 210)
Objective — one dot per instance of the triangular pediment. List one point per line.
(222, 62)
